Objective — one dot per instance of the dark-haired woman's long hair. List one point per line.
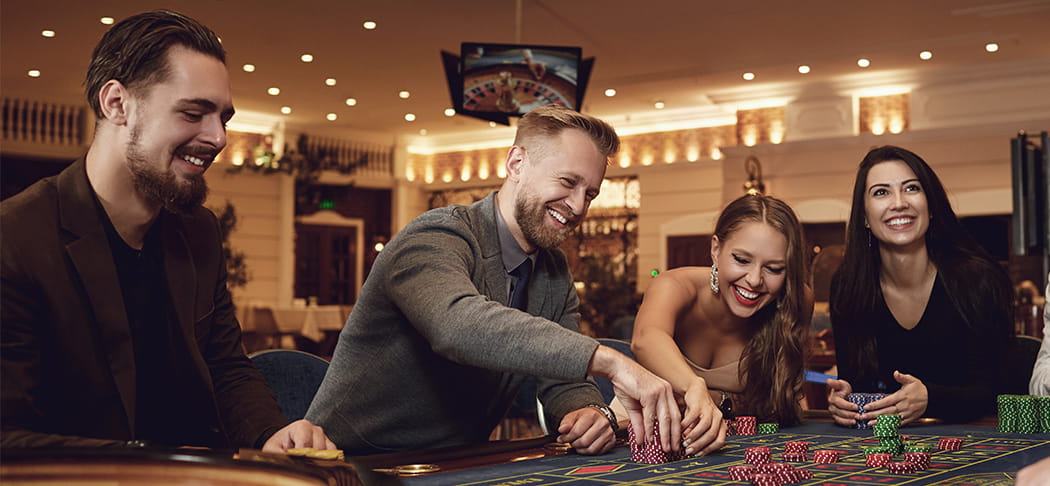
(771, 365)
(971, 276)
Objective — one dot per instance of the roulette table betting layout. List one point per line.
(986, 457)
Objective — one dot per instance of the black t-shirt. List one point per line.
(171, 408)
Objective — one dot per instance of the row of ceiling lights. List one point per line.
(805, 69)
(404, 94)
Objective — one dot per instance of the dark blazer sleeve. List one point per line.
(20, 357)
(247, 407)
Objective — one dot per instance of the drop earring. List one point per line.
(714, 279)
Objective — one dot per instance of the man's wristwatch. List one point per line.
(605, 410)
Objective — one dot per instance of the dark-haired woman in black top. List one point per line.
(920, 311)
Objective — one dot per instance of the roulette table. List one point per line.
(986, 457)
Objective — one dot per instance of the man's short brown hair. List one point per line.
(135, 51)
(549, 121)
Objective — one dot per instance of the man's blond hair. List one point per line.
(547, 122)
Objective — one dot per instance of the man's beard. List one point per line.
(531, 217)
(163, 187)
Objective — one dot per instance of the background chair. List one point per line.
(1021, 359)
(604, 385)
(294, 377)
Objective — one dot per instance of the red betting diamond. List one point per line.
(596, 469)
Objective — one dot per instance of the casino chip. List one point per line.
(863, 399)
(651, 453)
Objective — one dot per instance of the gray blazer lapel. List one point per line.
(93, 259)
(495, 276)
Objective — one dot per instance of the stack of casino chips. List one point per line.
(769, 474)
(886, 431)
(878, 459)
(862, 400)
(768, 428)
(795, 451)
(825, 456)
(652, 452)
(900, 467)
(1024, 414)
(920, 460)
(746, 425)
(950, 444)
(758, 455)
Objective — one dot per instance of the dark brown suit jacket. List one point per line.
(68, 367)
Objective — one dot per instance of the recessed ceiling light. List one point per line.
(47, 33)
(991, 47)
(306, 58)
(410, 117)
(423, 131)
(331, 116)
(749, 76)
(659, 105)
(610, 92)
(274, 91)
(492, 124)
(450, 112)
(403, 94)
(248, 68)
(803, 69)
(34, 73)
(329, 81)
(368, 25)
(106, 20)
(863, 62)
(925, 55)
(287, 110)
(351, 101)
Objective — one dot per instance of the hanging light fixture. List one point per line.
(754, 184)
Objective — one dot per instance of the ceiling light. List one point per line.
(803, 69)
(369, 25)
(34, 73)
(862, 62)
(106, 20)
(404, 94)
(248, 68)
(423, 131)
(331, 116)
(749, 76)
(306, 58)
(610, 92)
(492, 124)
(410, 117)
(351, 101)
(659, 105)
(287, 110)
(274, 91)
(991, 47)
(925, 55)
(47, 33)
(450, 112)
(329, 81)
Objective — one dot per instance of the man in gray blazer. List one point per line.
(434, 351)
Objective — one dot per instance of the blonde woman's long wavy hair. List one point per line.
(771, 366)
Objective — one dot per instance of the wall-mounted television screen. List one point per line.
(497, 81)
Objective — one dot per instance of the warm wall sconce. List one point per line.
(754, 185)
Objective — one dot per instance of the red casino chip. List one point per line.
(878, 459)
(950, 444)
(900, 467)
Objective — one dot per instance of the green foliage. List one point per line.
(236, 269)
